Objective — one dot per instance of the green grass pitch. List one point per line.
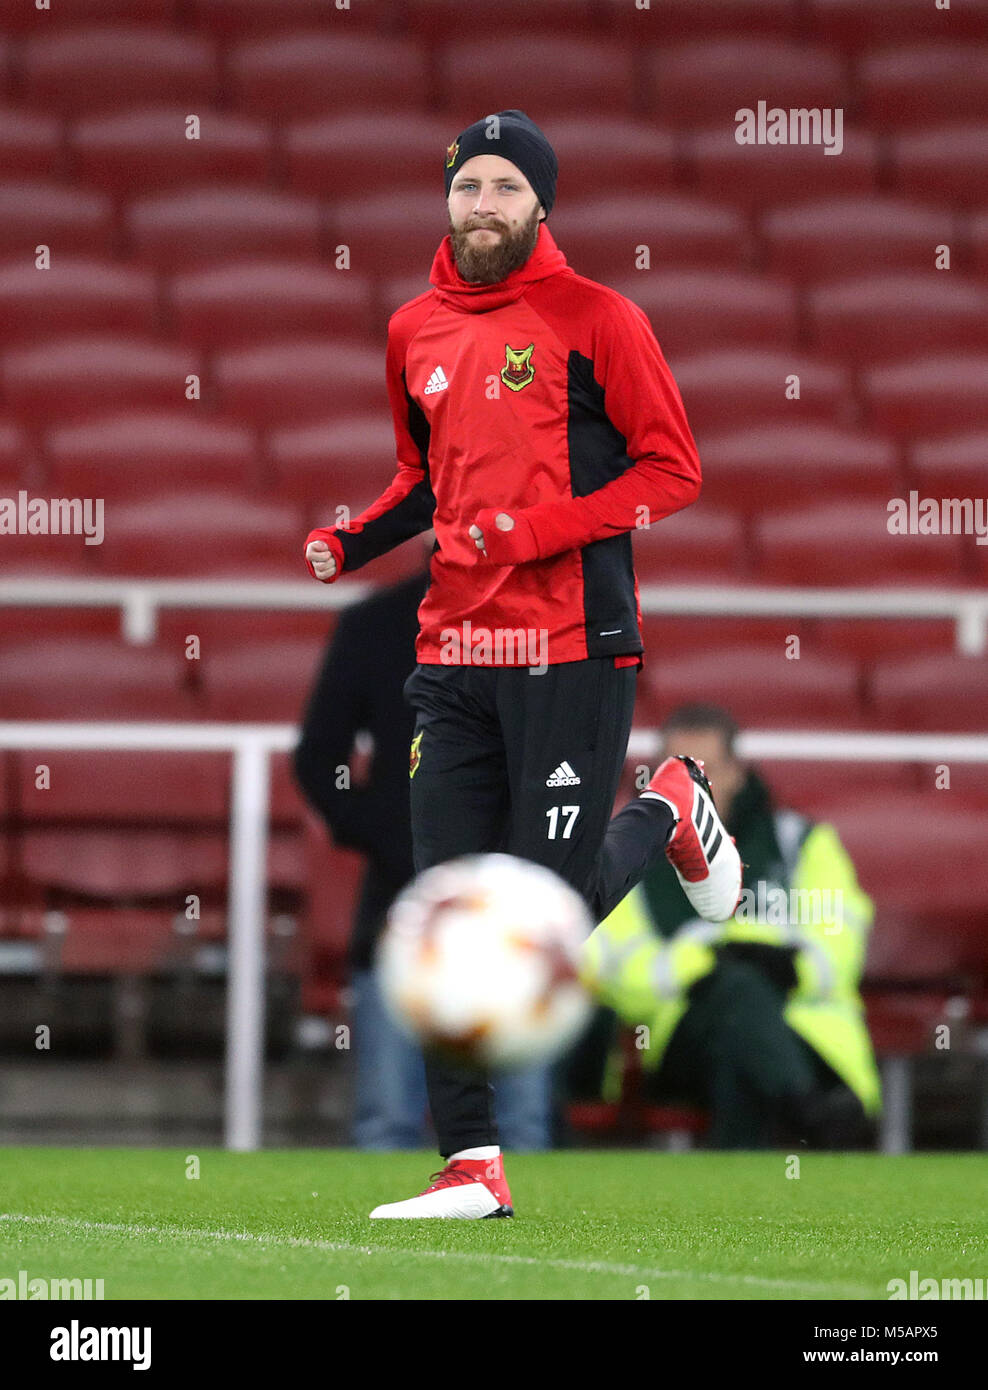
(589, 1225)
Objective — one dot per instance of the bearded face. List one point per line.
(485, 260)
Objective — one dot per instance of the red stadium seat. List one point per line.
(69, 14)
(871, 317)
(18, 623)
(68, 220)
(695, 310)
(921, 85)
(292, 381)
(816, 785)
(698, 544)
(932, 692)
(853, 25)
(136, 787)
(760, 690)
(148, 148)
(888, 839)
(902, 1022)
(234, 18)
(75, 296)
(953, 466)
(928, 394)
(91, 678)
(967, 781)
(30, 142)
(261, 681)
(127, 864)
(203, 533)
(328, 155)
(570, 76)
(391, 233)
(120, 455)
(781, 465)
(76, 377)
(90, 70)
(676, 20)
(949, 163)
(304, 73)
(116, 940)
(41, 557)
(601, 237)
(611, 153)
(183, 228)
(708, 82)
(867, 639)
(734, 387)
(239, 303)
(329, 460)
(232, 627)
(757, 176)
(438, 19)
(663, 633)
(838, 236)
(848, 543)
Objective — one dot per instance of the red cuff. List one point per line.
(327, 534)
(514, 547)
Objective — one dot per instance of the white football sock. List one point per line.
(485, 1151)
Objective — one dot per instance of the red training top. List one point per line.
(545, 396)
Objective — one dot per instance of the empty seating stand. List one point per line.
(219, 257)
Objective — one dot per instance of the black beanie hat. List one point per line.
(519, 140)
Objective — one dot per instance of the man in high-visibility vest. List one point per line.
(759, 1017)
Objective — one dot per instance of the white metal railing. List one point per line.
(141, 600)
(252, 745)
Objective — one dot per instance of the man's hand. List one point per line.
(503, 539)
(502, 521)
(322, 560)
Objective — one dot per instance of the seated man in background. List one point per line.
(758, 1018)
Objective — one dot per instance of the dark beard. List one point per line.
(487, 265)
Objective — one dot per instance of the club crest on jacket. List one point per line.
(518, 370)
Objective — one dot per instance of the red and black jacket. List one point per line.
(545, 396)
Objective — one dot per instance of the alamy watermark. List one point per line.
(956, 1289)
(500, 646)
(798, 907)
(52, 516)
(938, 516)
(81, 1343)
(800, 125)
(37, 1287)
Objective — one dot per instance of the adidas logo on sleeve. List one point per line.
(564, 776)
(437, 382)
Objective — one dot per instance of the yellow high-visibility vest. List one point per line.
(645, 977)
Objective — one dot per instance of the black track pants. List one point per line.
(528, 765)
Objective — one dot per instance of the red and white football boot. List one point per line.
(704, 856)
(467, 1188)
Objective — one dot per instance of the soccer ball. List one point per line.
(479, 962)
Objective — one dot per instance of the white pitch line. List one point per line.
(334, 1247)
